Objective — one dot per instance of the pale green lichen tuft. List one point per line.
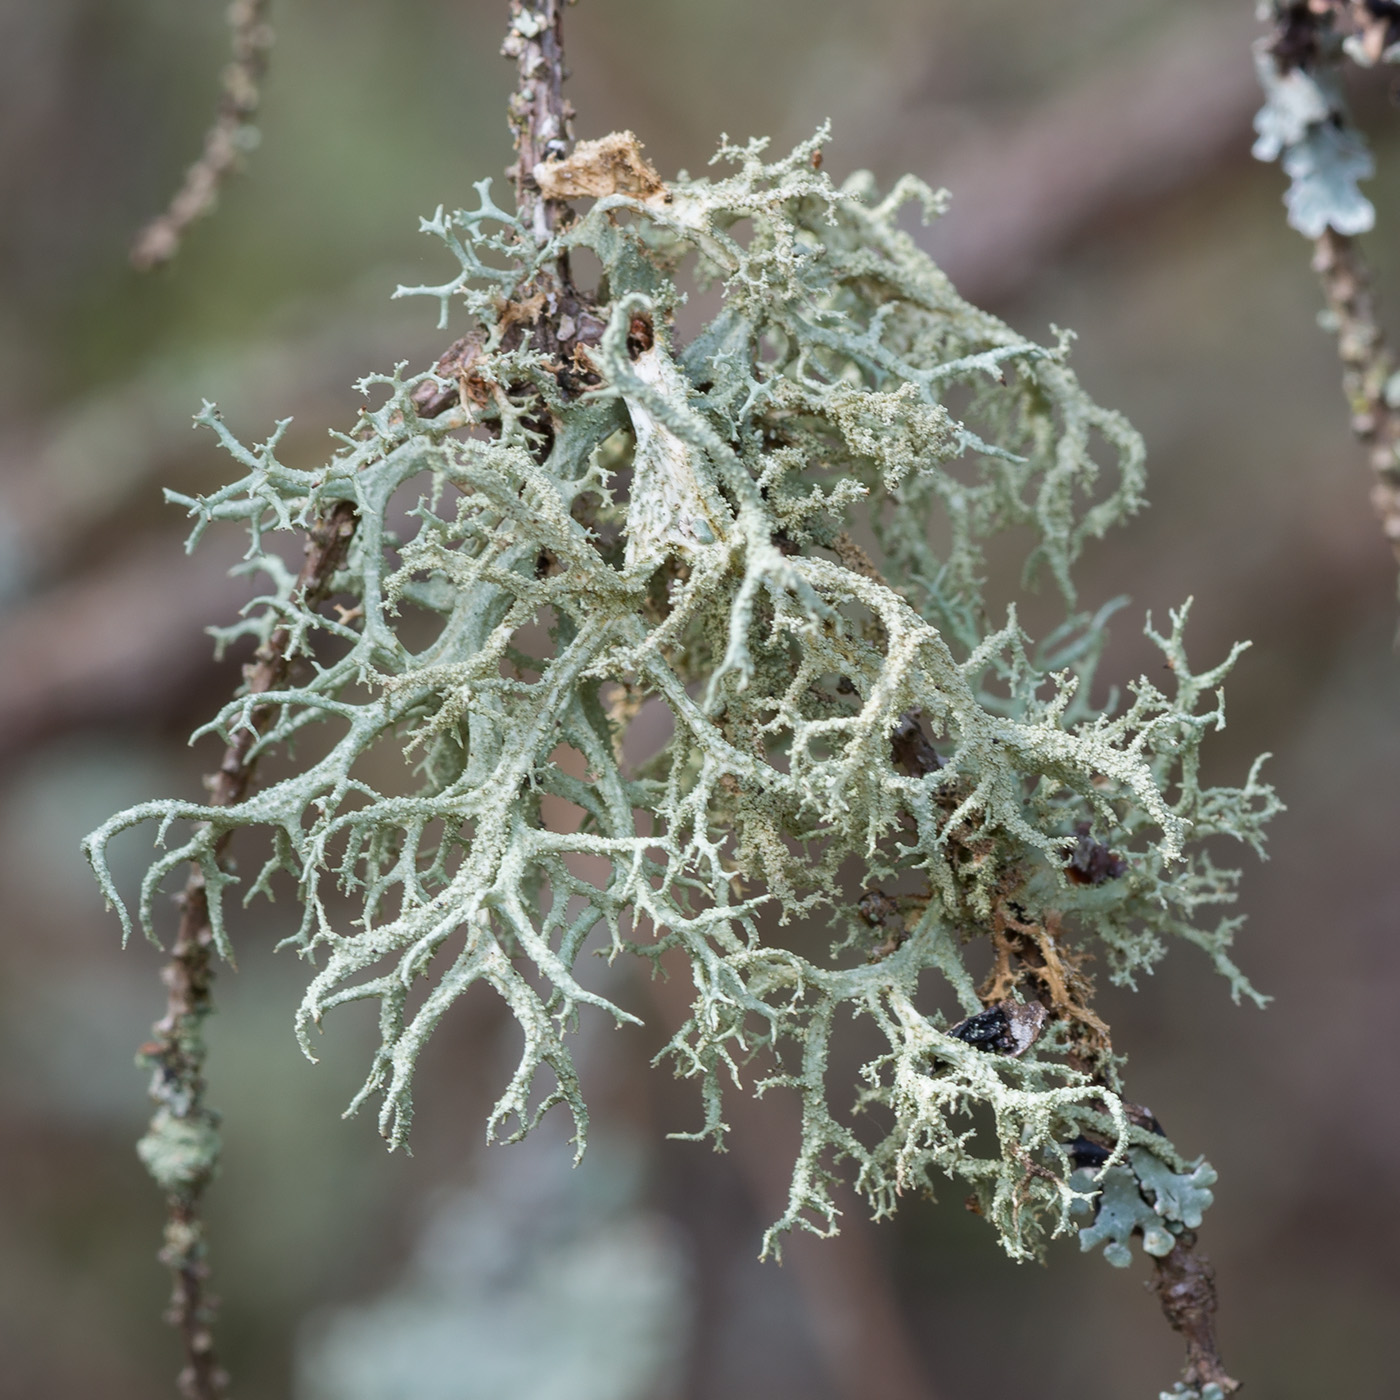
(1180, 1197)
(675, 524)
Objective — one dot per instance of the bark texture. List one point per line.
(1185, 1284)
(540, 119)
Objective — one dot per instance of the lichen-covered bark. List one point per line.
(1306, 123)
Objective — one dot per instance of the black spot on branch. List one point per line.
(1008, 1028)
(1091, 862)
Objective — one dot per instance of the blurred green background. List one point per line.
(1097, 151)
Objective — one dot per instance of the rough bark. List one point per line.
(540, 119)
(1185, 1284)
(225, 141)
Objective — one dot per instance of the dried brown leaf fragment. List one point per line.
(613, 164)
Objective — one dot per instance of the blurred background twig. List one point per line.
(231, 135)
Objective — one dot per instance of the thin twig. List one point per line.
(176, 1055)
(225, 141)
(540, 119)
(1185, 1280)
(551, 311)
(1185, 1283)
(1368, 368)
(68, 667)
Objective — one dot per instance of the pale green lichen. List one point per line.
(669, 525)
(1180, 1197)
(1304, 125)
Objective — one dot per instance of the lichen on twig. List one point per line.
(1305, 122)
(181, 1148)
(622, 512)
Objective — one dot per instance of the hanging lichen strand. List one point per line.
(620, 520)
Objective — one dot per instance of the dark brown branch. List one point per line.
(176, 1055)
(540, 119)
(1367, 367)
(225, 141)
(1185, 1284)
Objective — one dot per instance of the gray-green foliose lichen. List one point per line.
(667, 523)
(1305, 125)
(1144, 1196)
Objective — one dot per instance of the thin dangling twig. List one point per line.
(224, 143)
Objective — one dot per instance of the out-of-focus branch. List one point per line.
(1143, 127)
(225, 141)
(854, 1310)
(122, 642)
(1368, 369)
(61, 482)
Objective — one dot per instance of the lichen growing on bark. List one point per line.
(775, 530)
